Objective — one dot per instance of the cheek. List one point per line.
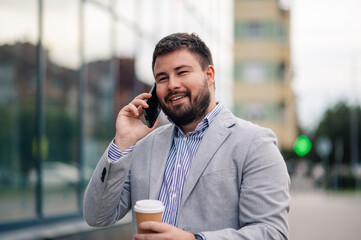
(196, 88)
(160, 93)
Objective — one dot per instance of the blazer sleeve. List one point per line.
(264, 198)
(107, 196)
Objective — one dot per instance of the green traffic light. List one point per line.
(302, 145)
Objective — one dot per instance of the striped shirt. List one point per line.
(114, 154)
(182, 152)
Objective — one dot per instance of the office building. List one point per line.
(262, 67)
(66, 69)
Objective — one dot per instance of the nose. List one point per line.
(173, 83)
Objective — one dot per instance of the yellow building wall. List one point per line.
(252, 10)
(270, 91)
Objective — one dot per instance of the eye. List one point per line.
(162, 79)
(182, 72)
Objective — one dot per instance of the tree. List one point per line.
(336, 125)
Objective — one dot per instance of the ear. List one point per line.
(210, 74)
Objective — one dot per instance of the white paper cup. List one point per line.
(148, 210)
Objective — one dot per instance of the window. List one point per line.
(52, 189)
(254, 72)
(99, 89)
(18, 56)
(60, 174)
(261, 29)
(258, 72)
(255, 30)
(250, 111)
(281, 32)
(281, 72)
(254, 112)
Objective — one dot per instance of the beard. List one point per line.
(196, 109)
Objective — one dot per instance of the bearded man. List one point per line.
(218, 176)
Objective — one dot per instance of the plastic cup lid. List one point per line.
(148, 206)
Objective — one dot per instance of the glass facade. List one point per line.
(18, 80)
(66, 69)
(60, 177)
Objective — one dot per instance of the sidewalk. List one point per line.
(73, 230)
(316, 214)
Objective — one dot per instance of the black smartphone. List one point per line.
(153, 111)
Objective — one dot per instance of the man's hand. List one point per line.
(129, 128)
(162, 231)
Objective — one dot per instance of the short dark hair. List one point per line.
(177, 41)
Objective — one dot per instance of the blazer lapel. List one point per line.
(159, 155)
(216, 134)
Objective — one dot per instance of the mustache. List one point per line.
(171, 94)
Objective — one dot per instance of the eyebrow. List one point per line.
(159, 74)
(182, 66)
(176, 69)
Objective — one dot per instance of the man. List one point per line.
(218, 176)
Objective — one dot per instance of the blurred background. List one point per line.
(68, 66)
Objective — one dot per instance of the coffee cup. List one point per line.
(148, 210)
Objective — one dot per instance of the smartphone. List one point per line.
(151, 113)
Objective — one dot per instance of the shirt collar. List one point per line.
(204, 124)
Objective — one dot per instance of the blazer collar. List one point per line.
(161, 145)
(214, 137)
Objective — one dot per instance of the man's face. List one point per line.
(183, 88)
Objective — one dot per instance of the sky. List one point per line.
(326, 55)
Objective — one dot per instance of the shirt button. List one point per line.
(174, 195)
(179, 166)
(184, 139)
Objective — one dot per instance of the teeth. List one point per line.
(176, 98)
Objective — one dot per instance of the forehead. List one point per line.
(175, 59)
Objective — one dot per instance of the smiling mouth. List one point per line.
(176, 98)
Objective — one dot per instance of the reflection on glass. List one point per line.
(98, 104)
(60, 168)
(18, 21)
(18, 74)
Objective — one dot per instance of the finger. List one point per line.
(143, 96)
(132, 109)
(136, 107)
(140, 102)
(148, 236)
(140, 110)
(154, 226)
(139, 237)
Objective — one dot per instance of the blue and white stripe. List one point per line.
(182, 152)
(114, 154)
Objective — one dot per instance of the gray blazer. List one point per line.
(237, 186)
